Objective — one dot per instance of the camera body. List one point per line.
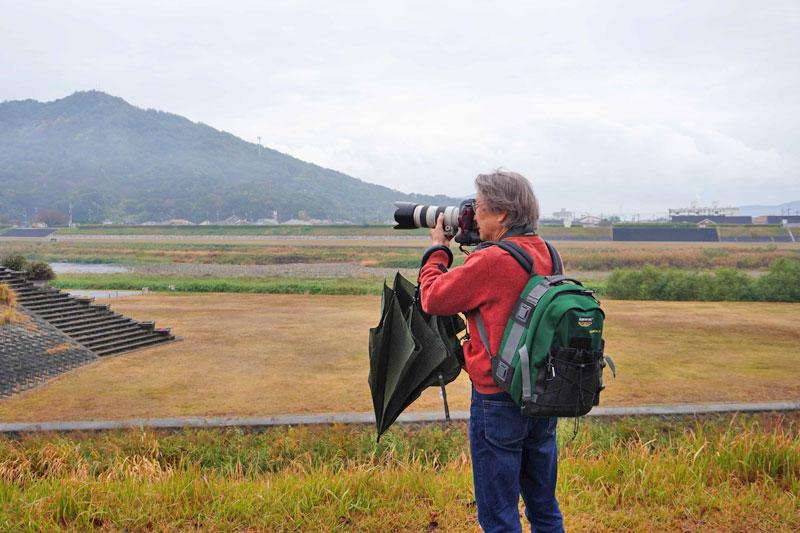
(459, 222)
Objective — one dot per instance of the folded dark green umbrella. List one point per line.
(409, 351)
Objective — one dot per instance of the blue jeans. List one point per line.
(512, 455)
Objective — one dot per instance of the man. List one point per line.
(512, 455)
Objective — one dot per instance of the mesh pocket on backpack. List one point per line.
(567, 384)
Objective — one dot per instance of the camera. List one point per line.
(459, 222)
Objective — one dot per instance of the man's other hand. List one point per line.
(438, 236)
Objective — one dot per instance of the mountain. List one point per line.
(112, 160)
(789, 208)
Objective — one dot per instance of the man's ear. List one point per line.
(502, 216)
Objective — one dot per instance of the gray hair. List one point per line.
(503, 190)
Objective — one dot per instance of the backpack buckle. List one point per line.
(550, 369)
(502, 371)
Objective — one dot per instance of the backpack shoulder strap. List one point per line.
(524, 260)
(522, 257)
(482, 332)
(555, 257)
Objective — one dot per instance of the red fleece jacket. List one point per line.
(490, 280)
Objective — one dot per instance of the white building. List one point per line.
(696, 210)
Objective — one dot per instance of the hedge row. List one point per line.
(780, 284)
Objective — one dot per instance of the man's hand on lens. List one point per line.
(438, 236)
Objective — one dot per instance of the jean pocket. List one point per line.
(504, 425)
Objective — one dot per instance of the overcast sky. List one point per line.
(605, 106)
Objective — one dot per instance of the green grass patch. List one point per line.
(272, 285)
(760, 230)
(642, 474)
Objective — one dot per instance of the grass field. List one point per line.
(580, 256)
(635, 474)
(247, 354)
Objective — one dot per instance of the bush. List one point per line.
(15, 262)
(728, 284)
(636, 284)
(780, 284)
(39, 271)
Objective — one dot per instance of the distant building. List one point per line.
(233, 220)
(542, 222)
(268, 221)
(588, 221)
(695, 210)
(561, 215)
(564, 217)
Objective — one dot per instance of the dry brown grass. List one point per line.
(8, 300)
(272, 354)
(61, 348)
(7, 296)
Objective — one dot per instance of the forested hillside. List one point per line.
(112, 160)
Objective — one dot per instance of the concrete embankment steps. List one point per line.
(92, 325)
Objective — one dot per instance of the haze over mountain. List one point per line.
(112, 160)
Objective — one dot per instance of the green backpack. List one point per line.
(551, 357)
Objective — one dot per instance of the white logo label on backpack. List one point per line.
(585, 321)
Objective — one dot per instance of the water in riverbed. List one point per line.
(88, 268)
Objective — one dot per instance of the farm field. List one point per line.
(254, 354)
(717, 473)
(382, 252)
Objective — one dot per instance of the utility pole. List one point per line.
(259, 145)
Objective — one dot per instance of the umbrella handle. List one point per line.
(444, 398)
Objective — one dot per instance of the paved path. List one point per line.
(368, 418)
